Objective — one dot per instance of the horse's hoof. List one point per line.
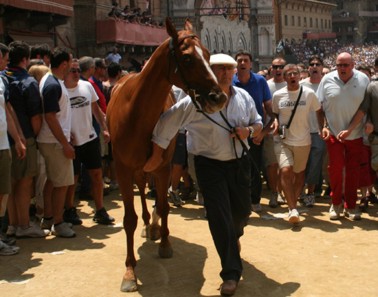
(165, 251)
(155, 232)
(146, 232)
(129, 285)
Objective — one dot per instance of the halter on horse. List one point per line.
(136, 104)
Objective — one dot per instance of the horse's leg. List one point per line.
(130, 219)
(162, 209)
(140, 180)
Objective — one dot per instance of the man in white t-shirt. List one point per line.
(293, 149)
(83, 99)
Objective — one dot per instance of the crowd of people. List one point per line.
(132, 15)
(328, 50)
(286, 123)
(53, 107)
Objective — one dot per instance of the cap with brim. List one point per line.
(222, 59)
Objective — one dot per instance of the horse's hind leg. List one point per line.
(130, 219)
(140, 180)
(162, 210)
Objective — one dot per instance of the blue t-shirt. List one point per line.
(258, 88)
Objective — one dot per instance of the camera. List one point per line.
(282, 131)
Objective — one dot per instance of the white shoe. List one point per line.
(353, 214)
(32, 231)
(280, 199)
(334, 211)
(293, 216)
(63, 230)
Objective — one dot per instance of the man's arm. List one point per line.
(12, 129)
(101, 119)
(57, 131)
(357, 118)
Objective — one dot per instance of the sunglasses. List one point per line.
(75, 70)
(278, 66)
(342, 65)
(315, 64)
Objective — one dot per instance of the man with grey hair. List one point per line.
(220, 156)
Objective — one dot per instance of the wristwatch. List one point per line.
(251, 131)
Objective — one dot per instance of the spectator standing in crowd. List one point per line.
(341, 93)
(292, 106)
(54, 143)
(258, 89)
(7, 124)
(86, 143)
(113, 56)
(114, 74)
(42, 52)
(277, 82)
(315, 160)
(26, 101)
(226, 198)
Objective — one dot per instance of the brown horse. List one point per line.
(136, 105)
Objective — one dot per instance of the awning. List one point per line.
(32, 38)
(61, 7)
(119, 31)
(323, 35)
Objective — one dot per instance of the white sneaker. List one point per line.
(353, 214)
(32, 231)
(7, 250)
(309, 200)
(257, 208)
(293, 216)
(11, 231)
(334, 211)
(280, 199)
(63, 230)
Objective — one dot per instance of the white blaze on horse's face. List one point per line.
(200, 53)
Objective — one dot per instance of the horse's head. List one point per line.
(190, 68)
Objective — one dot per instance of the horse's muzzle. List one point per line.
(213, 101)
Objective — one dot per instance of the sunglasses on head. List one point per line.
(278, 66)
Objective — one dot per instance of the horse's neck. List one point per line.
(156, 73)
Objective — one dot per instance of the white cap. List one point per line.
(222, 59)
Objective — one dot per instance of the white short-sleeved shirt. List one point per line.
(81, 99)
(340, 101)
(284, 100)
(4, 142)
(204, 137)
(63, 115)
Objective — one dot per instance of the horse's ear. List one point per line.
(171, 30)
(188, 25)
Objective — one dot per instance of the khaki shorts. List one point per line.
(5, 171)
(104, 146)
(268, 151)
(289, 155)
(59, 169)
(27, 167)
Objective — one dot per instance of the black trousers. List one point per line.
(225, 186)
(256, 152)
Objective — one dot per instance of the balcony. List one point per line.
(59, 7)
(123, 32)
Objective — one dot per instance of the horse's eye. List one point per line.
(186, 58)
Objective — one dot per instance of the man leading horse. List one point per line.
(219, 142)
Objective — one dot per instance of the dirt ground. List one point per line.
(318, 258)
